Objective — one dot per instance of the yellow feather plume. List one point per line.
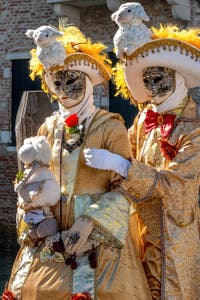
(71, 34)
(75, 41)
(119, 81)
(190, 36)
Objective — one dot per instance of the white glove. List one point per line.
(106, 160)
(34, 216)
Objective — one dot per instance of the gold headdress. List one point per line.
(81, 55)
(170, 47)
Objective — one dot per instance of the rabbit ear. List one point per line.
(29, 33)
(56, 32)
(114, 16)
(40, 138)
(142, 14)
(28, 140)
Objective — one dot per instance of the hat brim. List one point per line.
(170, 53)
(85, 63)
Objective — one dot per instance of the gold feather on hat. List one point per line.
(190, 36)
(74, 42)
(119, 80)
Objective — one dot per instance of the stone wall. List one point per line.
(195, 7)
(16, 16)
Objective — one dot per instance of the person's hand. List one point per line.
(106, 160)
(89, 245)
(76, 238)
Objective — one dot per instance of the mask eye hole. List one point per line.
(146, 81)
(70, 81)
(158, 78)
(57, 83)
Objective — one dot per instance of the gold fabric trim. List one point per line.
(77, 59)
(111, 216)
(165, 44)
(22, 270)
(101, 235)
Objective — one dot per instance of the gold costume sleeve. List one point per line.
(111, 217)
(178, 180)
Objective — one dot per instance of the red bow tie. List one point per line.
(154, 119)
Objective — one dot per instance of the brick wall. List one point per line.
(16, 16)
(8, 167)
(96, 21)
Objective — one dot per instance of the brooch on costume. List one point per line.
(74, 133)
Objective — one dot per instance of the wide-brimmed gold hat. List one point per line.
(170, 47)
(81, 55)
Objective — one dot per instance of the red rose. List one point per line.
(7, 295)
(168, 150)
(81, 296)
(72, 120)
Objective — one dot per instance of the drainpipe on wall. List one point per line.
(181, 9)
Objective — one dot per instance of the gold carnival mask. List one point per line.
(68, 86)
(160, 83)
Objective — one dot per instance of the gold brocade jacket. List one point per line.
(87, 191)
(167, 193)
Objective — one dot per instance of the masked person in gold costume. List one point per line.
(94, 255)
(163, 177)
